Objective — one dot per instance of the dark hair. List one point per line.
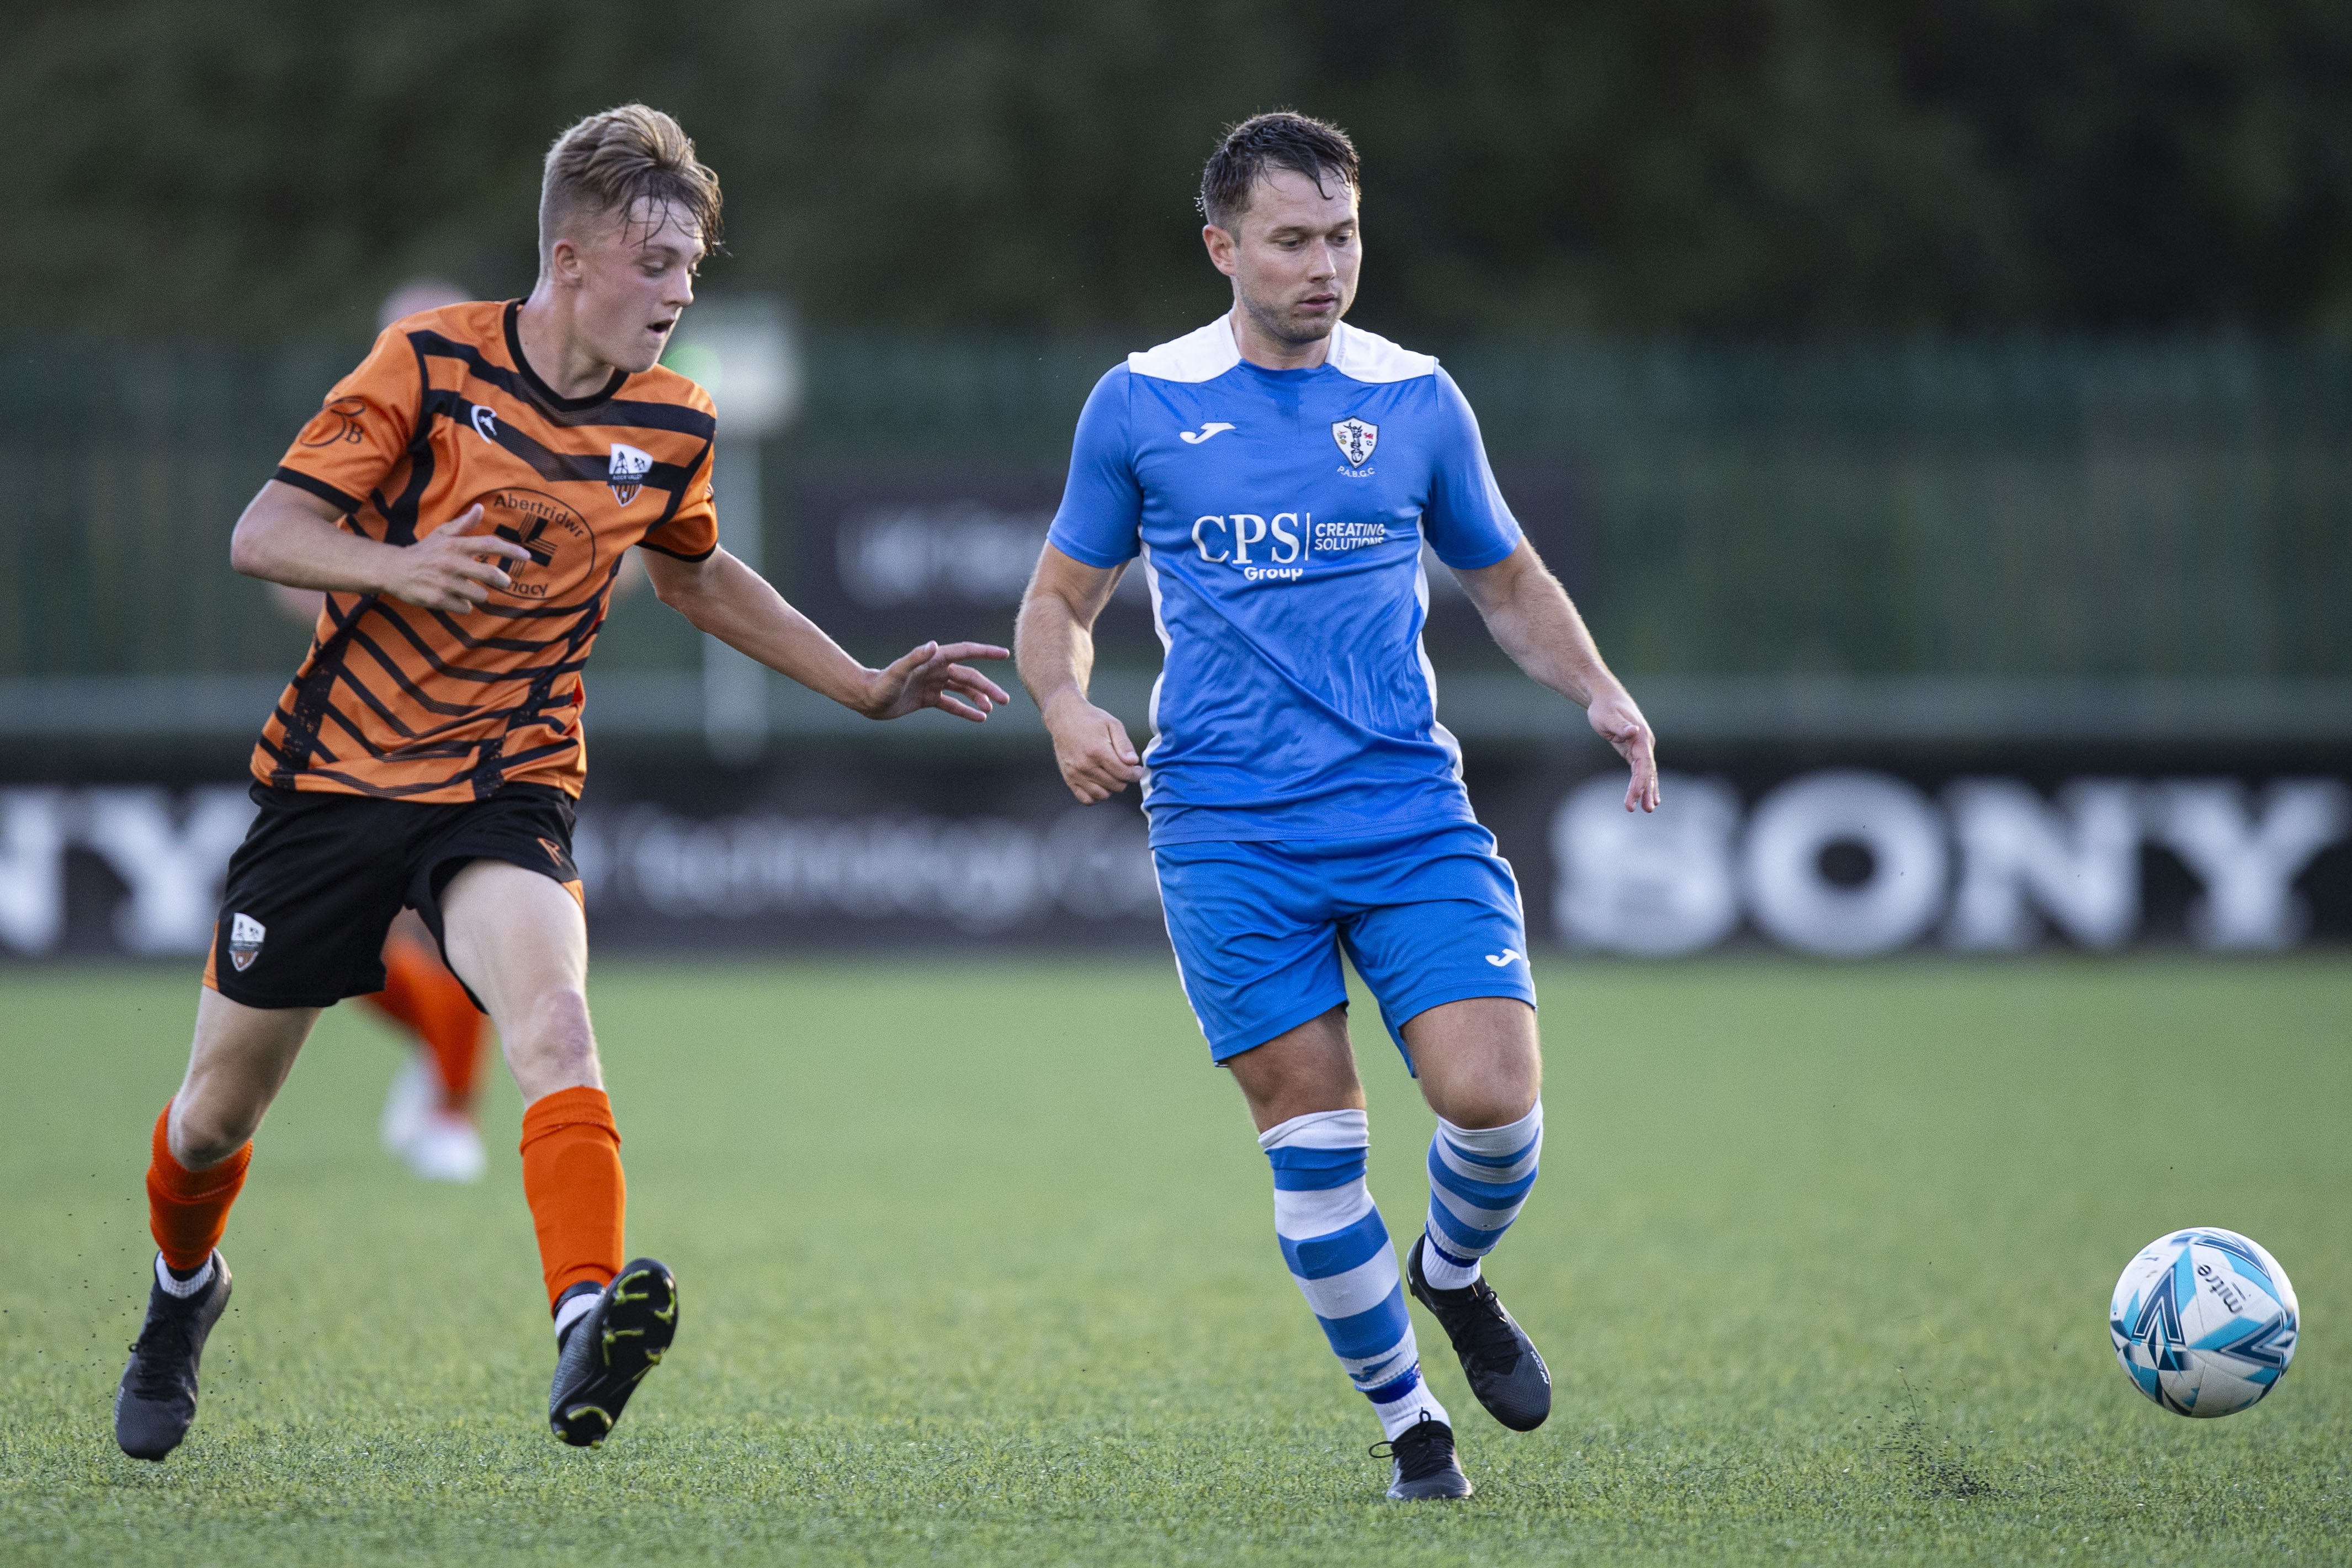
(1281, 140)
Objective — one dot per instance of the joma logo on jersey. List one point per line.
(628, 472)
(1222, 539)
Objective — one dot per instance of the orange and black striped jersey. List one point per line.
(445, 412)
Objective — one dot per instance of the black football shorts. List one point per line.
(315, 885)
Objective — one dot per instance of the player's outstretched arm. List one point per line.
(1532, 617)
(735, 604)
(1055, 644)
(290, 536)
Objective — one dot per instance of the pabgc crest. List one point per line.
(628, 472)
(1356, 440)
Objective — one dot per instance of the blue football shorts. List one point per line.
(1428, 916)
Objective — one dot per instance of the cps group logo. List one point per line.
(1228, 538)
(1283, 541)
(562, 546)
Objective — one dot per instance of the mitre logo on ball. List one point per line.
(1356, 440)
(628, 472)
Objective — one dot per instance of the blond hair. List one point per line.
(610, 164)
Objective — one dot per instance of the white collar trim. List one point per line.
(1209, 351)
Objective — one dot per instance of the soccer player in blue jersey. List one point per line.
(1277, 472)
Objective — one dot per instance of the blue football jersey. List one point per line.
(1280, 516)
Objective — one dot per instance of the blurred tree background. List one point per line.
(1757, 169)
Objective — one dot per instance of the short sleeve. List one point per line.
(363, 430)
(1101, 518)
(691, 532)
(1466, 522)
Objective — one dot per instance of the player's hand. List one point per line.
(1097, 759)
(1617, 721)
(454, 568)
(930, 676)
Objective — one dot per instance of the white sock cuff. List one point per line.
(1320, 1130)
(573, 1309)
(1442, 1272)
(1401, 1416)
(183, 1289)
(1496, 1141)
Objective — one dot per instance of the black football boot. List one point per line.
(1422, 1465)
(608, 1350)
(1504, 1369)
(156, 1404)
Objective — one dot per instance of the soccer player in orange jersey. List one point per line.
(464, 499)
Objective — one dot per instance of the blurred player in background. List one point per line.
(465, 499)
(1278, 471)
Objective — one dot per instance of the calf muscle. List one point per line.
(237, 1063)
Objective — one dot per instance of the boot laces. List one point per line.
(159, 1356)
(1421, 1449)
(1491, 1324)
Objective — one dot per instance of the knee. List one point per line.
(554, 1031)
(1497, 1098)
(1477, 1113)
(202, 1136)
(1274, 1099)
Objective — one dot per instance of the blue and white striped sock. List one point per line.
(1338, 1252)
(1478, 1177)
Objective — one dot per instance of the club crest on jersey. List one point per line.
(245, 934)
(1356, 440)
(628, 471)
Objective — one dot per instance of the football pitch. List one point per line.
(976, 1264)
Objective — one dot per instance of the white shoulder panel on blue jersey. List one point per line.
(1201, 356)
(1367, 356)
(1208, 352)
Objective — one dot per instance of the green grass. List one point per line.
(976, 1266)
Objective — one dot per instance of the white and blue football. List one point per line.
(2204, 1322)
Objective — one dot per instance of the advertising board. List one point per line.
(1837, 855)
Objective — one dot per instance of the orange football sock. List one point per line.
(571, 1179)
(188, 1210)
(420, 993)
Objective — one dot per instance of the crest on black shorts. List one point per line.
(245, 934)
(1356, 440)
